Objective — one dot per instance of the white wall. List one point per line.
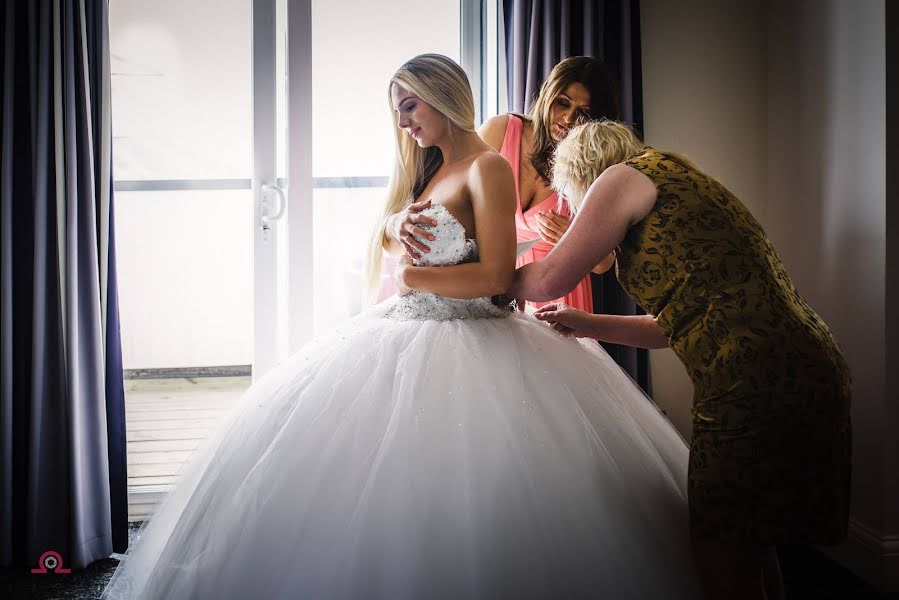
(826, 214)
(891, 408)
(784, 102)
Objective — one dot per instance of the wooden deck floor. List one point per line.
(166, 421)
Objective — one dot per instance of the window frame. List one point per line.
(480, 42)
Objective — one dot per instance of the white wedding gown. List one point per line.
(428, 448)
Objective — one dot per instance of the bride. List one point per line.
(438, 445)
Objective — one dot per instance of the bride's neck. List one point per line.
(460, 145)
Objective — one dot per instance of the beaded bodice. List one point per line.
(450, 247)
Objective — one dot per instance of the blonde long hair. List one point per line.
(440, 82)
(591, 148)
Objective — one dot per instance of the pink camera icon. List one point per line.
(50, 561)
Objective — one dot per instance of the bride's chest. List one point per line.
(454, 196)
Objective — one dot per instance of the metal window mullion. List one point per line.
(265, 240)
(299, 174)
(178, 185)
(170, 185)
(473, 50)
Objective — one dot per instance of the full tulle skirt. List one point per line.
(475, 458)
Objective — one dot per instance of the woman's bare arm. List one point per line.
(492, 194)
(618, 199)
(552, 225)
(638, 331)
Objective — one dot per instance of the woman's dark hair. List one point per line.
(594, 75)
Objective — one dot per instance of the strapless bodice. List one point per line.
(450, 247)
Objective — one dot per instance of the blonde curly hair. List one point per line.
(587, 151)
(593, 147)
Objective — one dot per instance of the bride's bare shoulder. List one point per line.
(490, 176)
(490, 164)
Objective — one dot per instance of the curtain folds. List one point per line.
(539, 34)
(62, 414)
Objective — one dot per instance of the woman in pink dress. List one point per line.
(578, 88)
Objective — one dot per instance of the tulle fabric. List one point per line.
(478, 458)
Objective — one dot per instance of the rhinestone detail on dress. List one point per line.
(450, 247)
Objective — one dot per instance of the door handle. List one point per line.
(282, 203)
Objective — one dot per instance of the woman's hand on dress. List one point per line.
(399, 275)
(566, 320)
(405, 228)
(551, 226)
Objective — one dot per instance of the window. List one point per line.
(182, 127)
(183, 157)
(352, 142)
(183, 90)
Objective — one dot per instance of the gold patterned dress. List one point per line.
(770, 453)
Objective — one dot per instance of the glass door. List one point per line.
(244, 217)
(183, 167)
(182, 163)
(252, 142)
(341, 55)
(269, 197)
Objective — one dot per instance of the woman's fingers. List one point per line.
(417, 207)
(420, 205)
(410, 251)
(557, 224)
(550, 231)
(422, 220)
(420, 233)
(561, 221)
(553, 306)
(547, 235)
(547, 239)
(414, 242)
(411, 236)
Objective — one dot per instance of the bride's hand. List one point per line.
(404, 228)
(566, 320)
(399, 275)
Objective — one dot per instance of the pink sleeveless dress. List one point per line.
(580, 297)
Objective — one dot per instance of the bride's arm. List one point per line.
(492, 192)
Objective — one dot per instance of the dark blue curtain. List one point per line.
(539, 34)
(62, 411)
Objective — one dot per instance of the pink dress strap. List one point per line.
(581, 296)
